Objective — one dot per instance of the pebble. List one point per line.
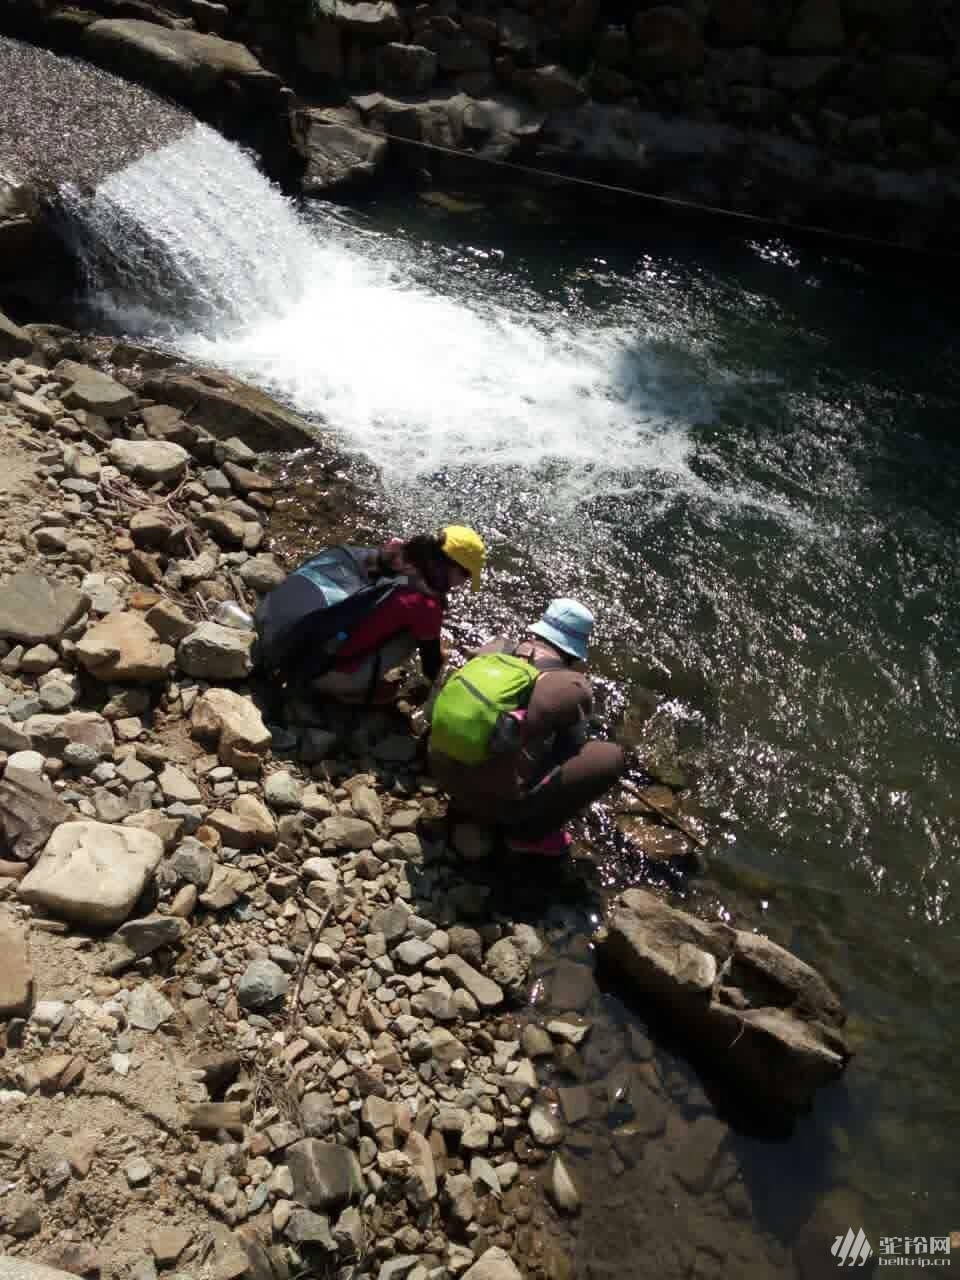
(561, 1187)
(262, 985)
(148, 1009)
(573, 1033)
(80, 756)
(535, 1042)
(282, 791)
(545, 1125)
(138, 1171)
(26, 761)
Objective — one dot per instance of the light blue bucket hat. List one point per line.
(566, 624)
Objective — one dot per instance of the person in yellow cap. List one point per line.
(465, 548)
(348, 615)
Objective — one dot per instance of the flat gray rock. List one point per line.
(263, 985)
(92, 873)
(213, 652)
(23, 1269)
(149, 1008)
(37, 610)
(94, 391)
(325, 1176)
(154, 461)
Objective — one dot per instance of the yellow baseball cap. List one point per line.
(466, 548)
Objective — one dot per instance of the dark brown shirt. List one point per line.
(554, 728)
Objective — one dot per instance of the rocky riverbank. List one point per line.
(234, 1042)
(261, 1012)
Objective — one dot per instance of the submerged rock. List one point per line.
(761, 1015)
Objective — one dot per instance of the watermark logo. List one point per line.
(852, 1250)
(896, 1251)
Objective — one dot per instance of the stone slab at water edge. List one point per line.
(755, 1012)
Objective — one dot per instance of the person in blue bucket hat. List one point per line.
(540, 768)
(566, 626)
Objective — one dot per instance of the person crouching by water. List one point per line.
(508, 734)
(346, 617)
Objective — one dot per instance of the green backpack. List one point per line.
(473, 703)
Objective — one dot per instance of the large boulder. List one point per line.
(406, 68)
(759, 1014)
(94, 391)
(233, 723)
(92, 872)
(214, 652)
(552, 88)
(36, 610)
(320, 49)
(817, 27)
(907, 80)
(186, 64)
(742, 22)
(124, 647)
(228, 407)
(338, 155)
(370, 23)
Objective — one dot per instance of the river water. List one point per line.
(743, 456)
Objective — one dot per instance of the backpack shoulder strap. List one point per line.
(525, 649)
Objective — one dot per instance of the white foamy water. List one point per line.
(383, 341)
(192, 244)
(191, 236)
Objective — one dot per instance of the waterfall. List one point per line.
(190, 236)
(375, 333)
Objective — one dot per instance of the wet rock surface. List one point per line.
(771, 1020)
